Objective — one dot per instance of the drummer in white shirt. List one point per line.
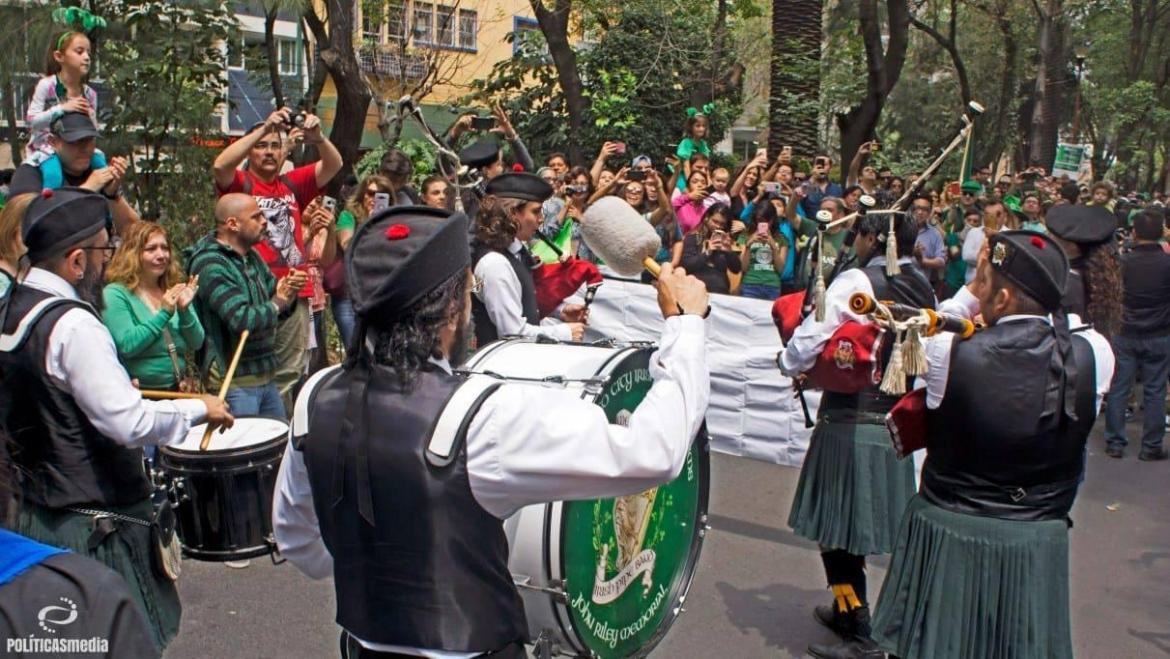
(76, 423)
(410, 526)
(507, 219)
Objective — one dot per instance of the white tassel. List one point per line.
(892, 250)
(819, 287)
(894, 380)
(913, 353)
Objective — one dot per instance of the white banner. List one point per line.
(753, 411)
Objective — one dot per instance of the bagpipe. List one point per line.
(555, 281)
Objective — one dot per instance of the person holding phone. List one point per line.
(707, 252)
(819, 186)
(764, 258)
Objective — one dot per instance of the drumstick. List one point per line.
(157, 394)
(227, 382)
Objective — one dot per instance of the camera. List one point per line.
(636, 175)
(576, 189)
(329, 203)
(296, 120)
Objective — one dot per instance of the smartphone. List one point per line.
(636, 175)
(762, 228)
(620, 147)
(820, 162)
(762, 151)
(483, 123)
(329, 203)
(771, 187)
(718, 234)
(875, 147)
(381, 201)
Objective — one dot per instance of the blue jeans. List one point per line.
(256, 401)
(759, 291)
(344, 317)
(1149, 358)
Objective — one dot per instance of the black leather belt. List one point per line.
(971, 495)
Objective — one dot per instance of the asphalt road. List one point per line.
(757, 583)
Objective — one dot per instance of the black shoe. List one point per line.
(1160, 454)
(841, 624)
(855, 649)
(1114, 451)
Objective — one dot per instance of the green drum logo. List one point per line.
(626, 559)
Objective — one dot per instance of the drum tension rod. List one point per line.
(548, 379)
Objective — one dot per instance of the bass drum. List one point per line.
(224, 494)
(608, 577)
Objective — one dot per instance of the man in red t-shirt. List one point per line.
(281, 198)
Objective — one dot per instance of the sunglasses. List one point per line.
(371, 193)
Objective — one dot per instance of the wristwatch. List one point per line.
(684, 312)
(112, 197)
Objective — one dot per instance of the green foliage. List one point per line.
(163, 65)
(638, 74)
(420, 152)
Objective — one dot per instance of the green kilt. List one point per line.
(964, 586)
(853, 488)
(127, 551)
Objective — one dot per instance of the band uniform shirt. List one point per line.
(811, 336)
(529, 445)
(966, 305)
(501, 297)
(82, 361)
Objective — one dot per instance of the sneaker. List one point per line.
(1154, 456)
(1114, 451)
(238, 565)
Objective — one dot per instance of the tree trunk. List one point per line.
(555, 26)
(794, 97)
(1050, 84)
(273, 55)
(1000, 127)
(949, 43)
(883, 70)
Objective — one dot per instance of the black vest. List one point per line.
(433, 570)
(62, 460)
(987, 450)
(910, 287)
(485, 330)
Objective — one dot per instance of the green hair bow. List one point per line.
(76, 17)
(706, 111)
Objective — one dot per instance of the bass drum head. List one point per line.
(628, 562)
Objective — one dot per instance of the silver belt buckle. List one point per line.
(1018, 494)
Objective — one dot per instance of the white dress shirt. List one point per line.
(516, 457)
(501, 296)
(802, 350)
(82, 361)
(966, 305)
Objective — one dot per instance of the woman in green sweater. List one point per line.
(148, 309)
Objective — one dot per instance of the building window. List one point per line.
(421, 25)
(525, 30)
(372, 15)
(290, 57)
(468, 28)
(396, 19)
(445, 26)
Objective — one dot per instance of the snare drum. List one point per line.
(224, 494)
(608, 577)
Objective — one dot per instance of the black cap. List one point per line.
(400, 255)
(61, 218)
(1083, 225)
(520, 185)
(1034, 262)
(480, 154)
(74, 126)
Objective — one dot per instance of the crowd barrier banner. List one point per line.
(753, 410)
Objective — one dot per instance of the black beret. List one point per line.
(74, 126)
(401, 254)
(1032, 261)
(480, 154)
(61, 218)
(520, 185)
(1083, 225)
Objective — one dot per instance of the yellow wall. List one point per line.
(496, 20)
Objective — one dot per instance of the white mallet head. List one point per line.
(619, 235)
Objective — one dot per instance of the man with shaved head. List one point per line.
(241, 293)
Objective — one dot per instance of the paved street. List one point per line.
(757, 582)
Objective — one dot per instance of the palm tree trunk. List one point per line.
(794, 97)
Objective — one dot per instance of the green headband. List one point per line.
(76, 17)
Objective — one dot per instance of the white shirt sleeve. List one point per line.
(962, 304)
(532, 444)
(501, 297)
(83, 362)
(294, 520)
(1103, 358)
(810, 337)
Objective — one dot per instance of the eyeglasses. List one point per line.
(476, 284)
(108, 249)
(374, 191)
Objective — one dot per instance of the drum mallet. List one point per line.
(227, 382)
(158, 394)
(618, 234)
